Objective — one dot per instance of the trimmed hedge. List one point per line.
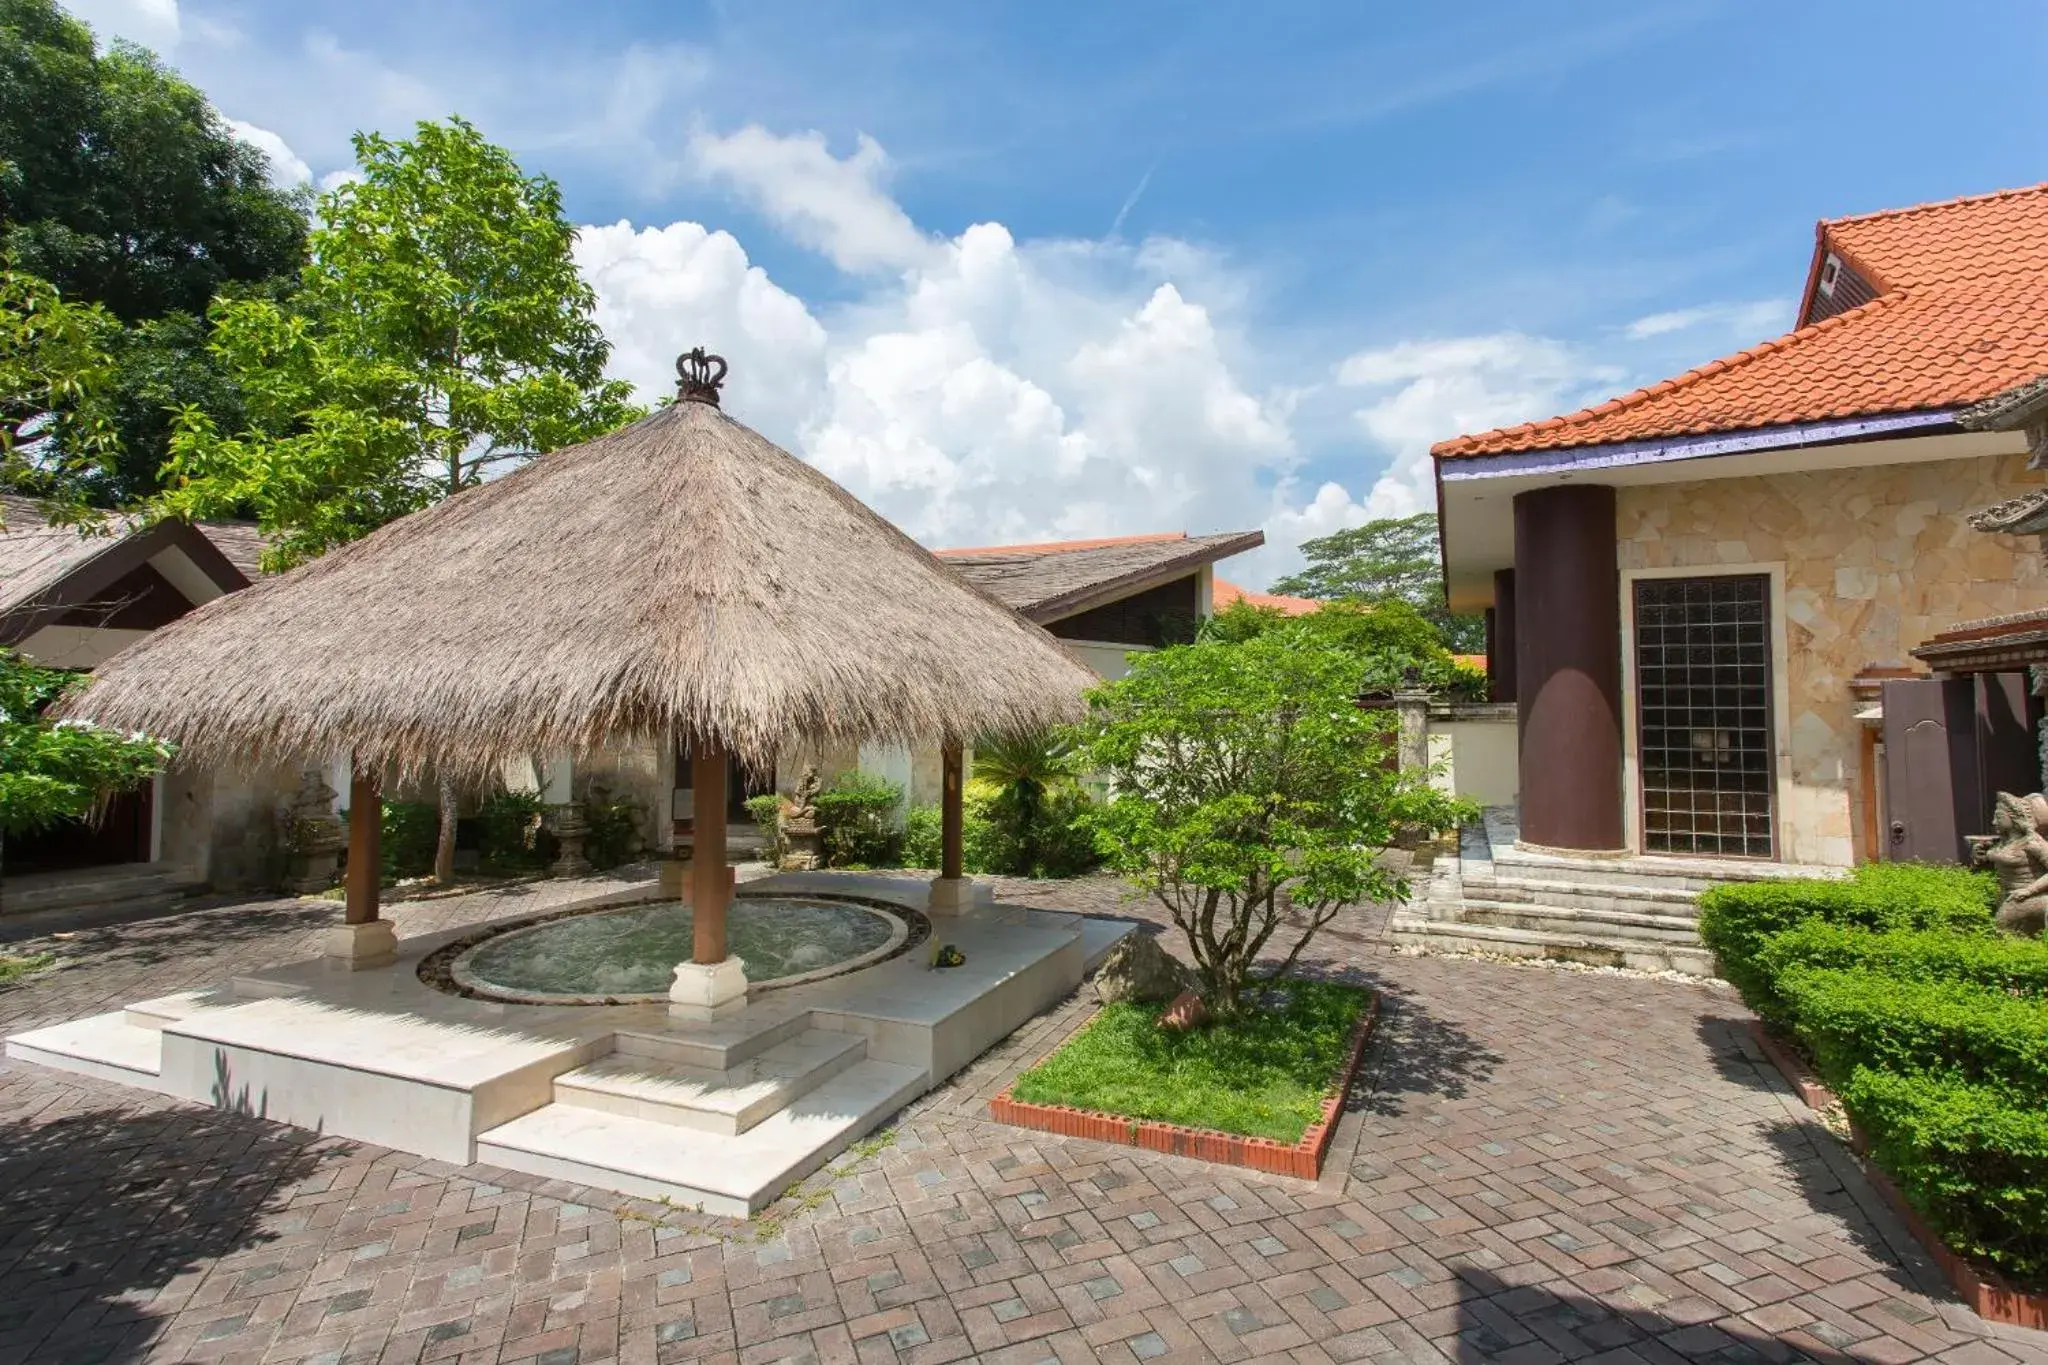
(1859, 1018)
(1970, 1160)
(1737, 919)
(2015, 965)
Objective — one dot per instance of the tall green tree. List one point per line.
(439, 330)
(123, 187)
(56, 384)
(1393, 557)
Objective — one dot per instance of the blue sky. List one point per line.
(1011, 272)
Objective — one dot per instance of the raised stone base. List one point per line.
(357, 946)
(951, 895)
(705, 991)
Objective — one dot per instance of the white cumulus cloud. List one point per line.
(833, 205)
(287, 168)
(152, 23)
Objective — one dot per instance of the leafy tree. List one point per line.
(1393, 557)
(56, 383)
(50, 773)
(439, 330)
(1390, 641)
(1251, 798)
(121, 186)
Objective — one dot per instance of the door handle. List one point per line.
(1898, 831)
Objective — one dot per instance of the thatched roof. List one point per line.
(682, 575)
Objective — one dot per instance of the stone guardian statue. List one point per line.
(2018, 856)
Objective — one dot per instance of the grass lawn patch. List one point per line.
(1265, 1076)
(14, 968)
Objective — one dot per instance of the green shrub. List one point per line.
(1737, 919)
(766, 812)
(1063, 844)
(1971, 1160)
(923, 836)
(2016, 965)
(614, 835)
(411, 829)
(1859, 1018)
(856, 815)
(509, 838)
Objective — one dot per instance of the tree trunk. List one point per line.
(444, 845)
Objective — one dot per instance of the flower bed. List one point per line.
(1265, 1094)
(1928, 1026)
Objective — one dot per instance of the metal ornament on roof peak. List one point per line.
(699, 375)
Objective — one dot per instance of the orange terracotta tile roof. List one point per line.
(1223, 593)
(1477, 661)
(1961, 313)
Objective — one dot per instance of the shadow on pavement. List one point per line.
(99, 1211)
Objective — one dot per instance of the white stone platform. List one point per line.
(721, 1116)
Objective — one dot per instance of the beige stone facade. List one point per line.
(1865, 564)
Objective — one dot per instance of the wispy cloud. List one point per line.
(1756, 318)
(1131, 200)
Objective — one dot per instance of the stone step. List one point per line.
(1630, 924)
(1669, 874)
(1661, 900)
(169, 1009)
(130, 887)
(713, 1047)
(726, 1102)
(732, 1176)
(1597, 950)
(105, 1046)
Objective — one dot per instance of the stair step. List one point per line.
(734, 1176)
(1674, 874)
(106, 1046)
(713, 1047)
(1679, 929)
(1593, 949)
(726, 1102)
(169, 1009)
(1594, 895)
(93, 889)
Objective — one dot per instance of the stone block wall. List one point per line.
(1875, 560)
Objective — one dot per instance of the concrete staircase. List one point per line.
(1636, 912)
(120, 891)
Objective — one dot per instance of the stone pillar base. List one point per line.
(675, 878)
(952, 895)
(357, 946)
(707, 991)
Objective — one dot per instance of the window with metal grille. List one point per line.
(1703, 715)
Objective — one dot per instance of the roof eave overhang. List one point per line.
(1092, 595)
(1665, 450)
(123, 555)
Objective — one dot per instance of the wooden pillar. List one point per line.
(365, 834)
(952, 825)
(1568, 668)
(710, 881)
(1500, 641)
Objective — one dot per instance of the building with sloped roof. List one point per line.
(1705, 594)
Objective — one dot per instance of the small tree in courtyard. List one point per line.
(1252, 797)
(51, 773)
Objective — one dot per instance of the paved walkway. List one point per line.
(1543, 1166)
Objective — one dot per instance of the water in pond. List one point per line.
(634, 951)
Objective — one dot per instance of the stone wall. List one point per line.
(1874, 561)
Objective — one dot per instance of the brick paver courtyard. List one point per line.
(1541, 1165)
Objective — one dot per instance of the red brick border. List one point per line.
(1303, 1158)
(1983, 1291)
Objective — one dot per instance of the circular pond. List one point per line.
(628, 954)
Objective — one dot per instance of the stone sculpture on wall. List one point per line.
(803, 842)
(2018, 856)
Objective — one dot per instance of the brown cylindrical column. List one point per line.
(952, 823)
(365, 837)
(710, 882)
(1501, 672)
(1567, 592)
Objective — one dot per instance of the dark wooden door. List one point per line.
(2007, 757)
(1930, 768)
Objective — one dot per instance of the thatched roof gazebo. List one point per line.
(679, 577)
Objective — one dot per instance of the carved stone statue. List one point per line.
(2018, 856)
(803, 844)
(314, 836)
